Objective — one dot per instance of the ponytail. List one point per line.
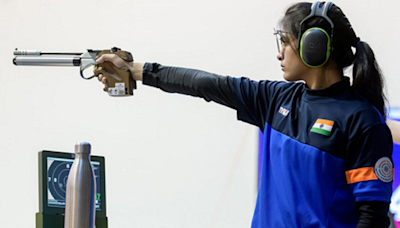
(367, 77)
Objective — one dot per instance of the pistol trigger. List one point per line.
(84, 68)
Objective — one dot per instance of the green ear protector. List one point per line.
(315, 43)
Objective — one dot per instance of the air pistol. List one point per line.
(119, 80)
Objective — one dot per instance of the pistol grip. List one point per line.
(119, 80)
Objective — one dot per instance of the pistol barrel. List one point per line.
(46, 61)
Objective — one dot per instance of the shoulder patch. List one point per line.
(384, 169)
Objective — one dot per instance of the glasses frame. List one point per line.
(279, 42)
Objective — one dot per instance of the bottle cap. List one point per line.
(82, 147)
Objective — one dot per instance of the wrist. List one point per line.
(137, 71)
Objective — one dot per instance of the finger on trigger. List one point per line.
(103, 58)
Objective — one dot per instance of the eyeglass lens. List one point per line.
(278, 40)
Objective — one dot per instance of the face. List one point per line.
(292, 66)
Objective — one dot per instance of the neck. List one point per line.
(323, 77)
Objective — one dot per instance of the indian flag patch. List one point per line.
(323, 127)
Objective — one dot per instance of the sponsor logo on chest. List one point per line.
(283, 111)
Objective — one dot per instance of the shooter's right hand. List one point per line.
(135, 68)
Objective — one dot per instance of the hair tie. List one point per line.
(355, 41)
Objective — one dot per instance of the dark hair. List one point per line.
(367, 77)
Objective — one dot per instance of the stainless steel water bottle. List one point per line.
(81, 189)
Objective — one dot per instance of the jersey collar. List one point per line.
(332, 90)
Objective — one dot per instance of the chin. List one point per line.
(291, 78)
(287, 77)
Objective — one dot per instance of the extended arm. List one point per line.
(211, 87)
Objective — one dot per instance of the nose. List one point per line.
(280, 55)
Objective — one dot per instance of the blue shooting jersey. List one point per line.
(324, 150)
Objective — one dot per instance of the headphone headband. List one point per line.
(316, 10)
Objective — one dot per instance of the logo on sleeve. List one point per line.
(384, 169)
(323, 127)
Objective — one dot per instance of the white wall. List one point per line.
(171, 160)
